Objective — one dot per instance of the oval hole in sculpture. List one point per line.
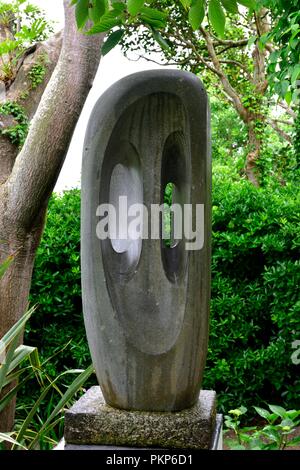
(126, 223)
(118, 226)
(174, 182)
(169, 219)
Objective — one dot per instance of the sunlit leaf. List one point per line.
(97, 9)
(230, 6)
(82, 12)
(217, 17)
(108, 21)
(134, 6)
(196, 14)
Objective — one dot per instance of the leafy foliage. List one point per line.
(277, 434)
(19, 365)
(24, 24)
(284, 67)
(59, 309)
(18, 132)
(255, 303)
(297, 140)
(107, 15)
(36, 75)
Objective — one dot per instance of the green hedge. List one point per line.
(255, 293)
(255, 309)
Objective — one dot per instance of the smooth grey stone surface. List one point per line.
(146, 306)
(92, 422)
(217, 438)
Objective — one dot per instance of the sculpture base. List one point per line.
(91, 423)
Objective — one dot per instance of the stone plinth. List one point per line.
(92, 422)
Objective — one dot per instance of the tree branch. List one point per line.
(289, 110)
(38, 164)
(279, 131)
(235, 62)
(228, 42)
(224, 79)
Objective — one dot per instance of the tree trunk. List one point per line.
(28, 181)
(253, 155)
(15, 286)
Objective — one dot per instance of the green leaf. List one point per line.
(284, 89)
(72, 389)
(97, 9)
(196, 14)
(119, 6)
(107, 22)
(134, 6)
(153, 17)
(6, 437)
(16, 329)
(292, 414)
(113, 39)
(274, 56)
(252, 40)
(160, 40)
(26, 423)
(248, 3)
(217, 17)
(8, 359)
(295, 96)
(271, 433)
(186, 3)
(5, 399)
(288, 97)
(230, 424)
(82, 12)
(287, 422)
(295, 74)
(21, 353)
(293, 442)
(153, 13)
(230, 6)
(262, 412)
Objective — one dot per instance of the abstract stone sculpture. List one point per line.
(146, 305)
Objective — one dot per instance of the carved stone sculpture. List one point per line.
(146, 304)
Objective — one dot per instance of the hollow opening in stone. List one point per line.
(117, 219)
(168, 220)
(125, 218)
(174, 191)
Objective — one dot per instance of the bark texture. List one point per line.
(27, 179)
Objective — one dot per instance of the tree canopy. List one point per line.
(235, 46)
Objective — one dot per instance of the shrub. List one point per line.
(255, 309)
(56, 288)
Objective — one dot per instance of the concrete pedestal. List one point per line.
(92, 424)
